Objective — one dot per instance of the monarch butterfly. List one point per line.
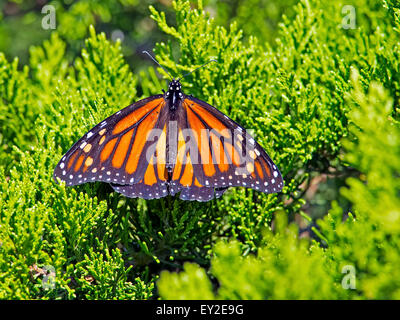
(167, 144)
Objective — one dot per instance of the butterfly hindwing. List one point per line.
(141, 190)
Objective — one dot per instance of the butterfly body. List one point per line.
(168, 144)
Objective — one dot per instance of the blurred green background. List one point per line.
(128, 20)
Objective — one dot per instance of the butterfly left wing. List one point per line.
(115, 150)
(217, 153)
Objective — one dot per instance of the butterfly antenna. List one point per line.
(151, 57)
(212, 60)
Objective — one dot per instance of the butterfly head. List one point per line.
(174, 94)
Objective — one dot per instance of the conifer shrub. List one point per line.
(321, 98)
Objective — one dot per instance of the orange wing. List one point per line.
(121, 149)
(215, 153)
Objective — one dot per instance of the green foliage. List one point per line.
(273, 274)
(45, 224)
(107, 278)
(374, 233)
(287, 267)
(313, 80)
(259, 18)
(321, 99)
